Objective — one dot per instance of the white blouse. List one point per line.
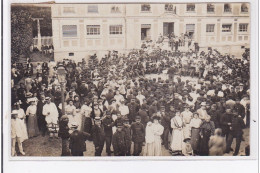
(31, 110)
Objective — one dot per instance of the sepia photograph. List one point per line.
(130, 79)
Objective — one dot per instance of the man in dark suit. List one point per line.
(236, 131)
(40, 117)
(119, 141)
(239, 108)
(108, 123)
(98, 135)
(77, 141)
(138, 135)
(225, 122)
(133, 109)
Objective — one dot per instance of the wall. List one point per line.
(131, 18)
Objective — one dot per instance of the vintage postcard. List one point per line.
(103, 80)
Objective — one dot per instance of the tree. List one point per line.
(21, 32)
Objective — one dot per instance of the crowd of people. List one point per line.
(45, 49)
(190, 103)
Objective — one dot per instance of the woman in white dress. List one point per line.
(195, 132)
(177, 124)
(16, 133)
(70, 112)
(149, 140)
(33, 129)
(21, 119)
(86, 120)
(153, 143)
(158, 131)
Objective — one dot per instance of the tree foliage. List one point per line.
(21, 32)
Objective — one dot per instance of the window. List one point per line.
(71, 54)
(243, 27)
(92, 9)
(146, 7)
(115, 9)
(210, 8)
(210, 27)
(226, 27)
(93, 29)
(115, 29)
(170, 8)
(190, 8)
(244, 8)
(69, 30)
(227, 8)
(68, 10)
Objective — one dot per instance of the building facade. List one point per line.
(79, 30)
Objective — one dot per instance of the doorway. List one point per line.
(190, 29)
(168, 28)
(145, 32)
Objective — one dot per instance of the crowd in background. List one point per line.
(189, 102)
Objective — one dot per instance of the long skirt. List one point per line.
(177, 143)
(32, 126)
(157, 146)
(204, 145)
(149, 149)
(88, 126)
(186, 131)
(24, 130)
(195, 137)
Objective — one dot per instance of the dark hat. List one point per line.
(69, 100)
(137, 117)
(186, 139)
(113, 100)
(155, 117)
(29, 94)
(119, 125)
(108, 113)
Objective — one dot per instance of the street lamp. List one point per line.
(62, 80)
